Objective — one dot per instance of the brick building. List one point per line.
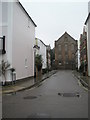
(48, 57)
(83, 52)
(65, 52)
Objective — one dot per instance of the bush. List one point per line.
(38, 61)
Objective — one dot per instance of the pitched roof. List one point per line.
(41, 42)
(26, 13)
(64, 34)
(87, 18)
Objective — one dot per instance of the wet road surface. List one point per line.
(59, 96)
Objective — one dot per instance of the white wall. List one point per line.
(42, 52)
(22, 44)
(19, 39)
(5, 27)
(89, 6)
(88, 45)
(0, 60)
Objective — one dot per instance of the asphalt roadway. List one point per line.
(59, 96)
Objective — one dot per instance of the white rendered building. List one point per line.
(19, 31)
(42, 51)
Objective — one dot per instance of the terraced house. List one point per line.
(18, 30)
(65, 52)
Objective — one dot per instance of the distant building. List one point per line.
(83, 51)
(53, 58)
(87, 23)
(76, 60)
(19, 31)
(42, 51)
(48, 57)
(65, 52)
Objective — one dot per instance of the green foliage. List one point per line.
(3, 67)
(38, 61)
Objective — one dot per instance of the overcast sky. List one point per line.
(53, 18)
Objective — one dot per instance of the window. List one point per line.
(28, 23)
(66, 39)
(72, 47)
(72, 56)
(66, 59)
(66, 47)
(59, 47)
(2, 45)
(60, 57)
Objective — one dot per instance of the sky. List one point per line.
(54, 17)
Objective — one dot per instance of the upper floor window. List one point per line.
(60, 57)
(66, 57)
(66, 47)
(72, 47)
(66, 39)
(72, 56)
(28, 23)
(59, 47)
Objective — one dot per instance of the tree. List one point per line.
(38, 61)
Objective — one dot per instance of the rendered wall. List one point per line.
(22, 43)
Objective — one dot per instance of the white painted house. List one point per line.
(87, 23)
(42, 51)
(19, 31)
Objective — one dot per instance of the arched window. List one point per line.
(66, 39)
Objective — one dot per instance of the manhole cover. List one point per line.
(39, 115)
(30, 97)
(69, 94)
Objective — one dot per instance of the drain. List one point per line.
(30, 97)
(69, 94)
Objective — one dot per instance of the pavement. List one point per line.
(25, 84)
(84, 80)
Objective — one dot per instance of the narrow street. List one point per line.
(47, 101)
